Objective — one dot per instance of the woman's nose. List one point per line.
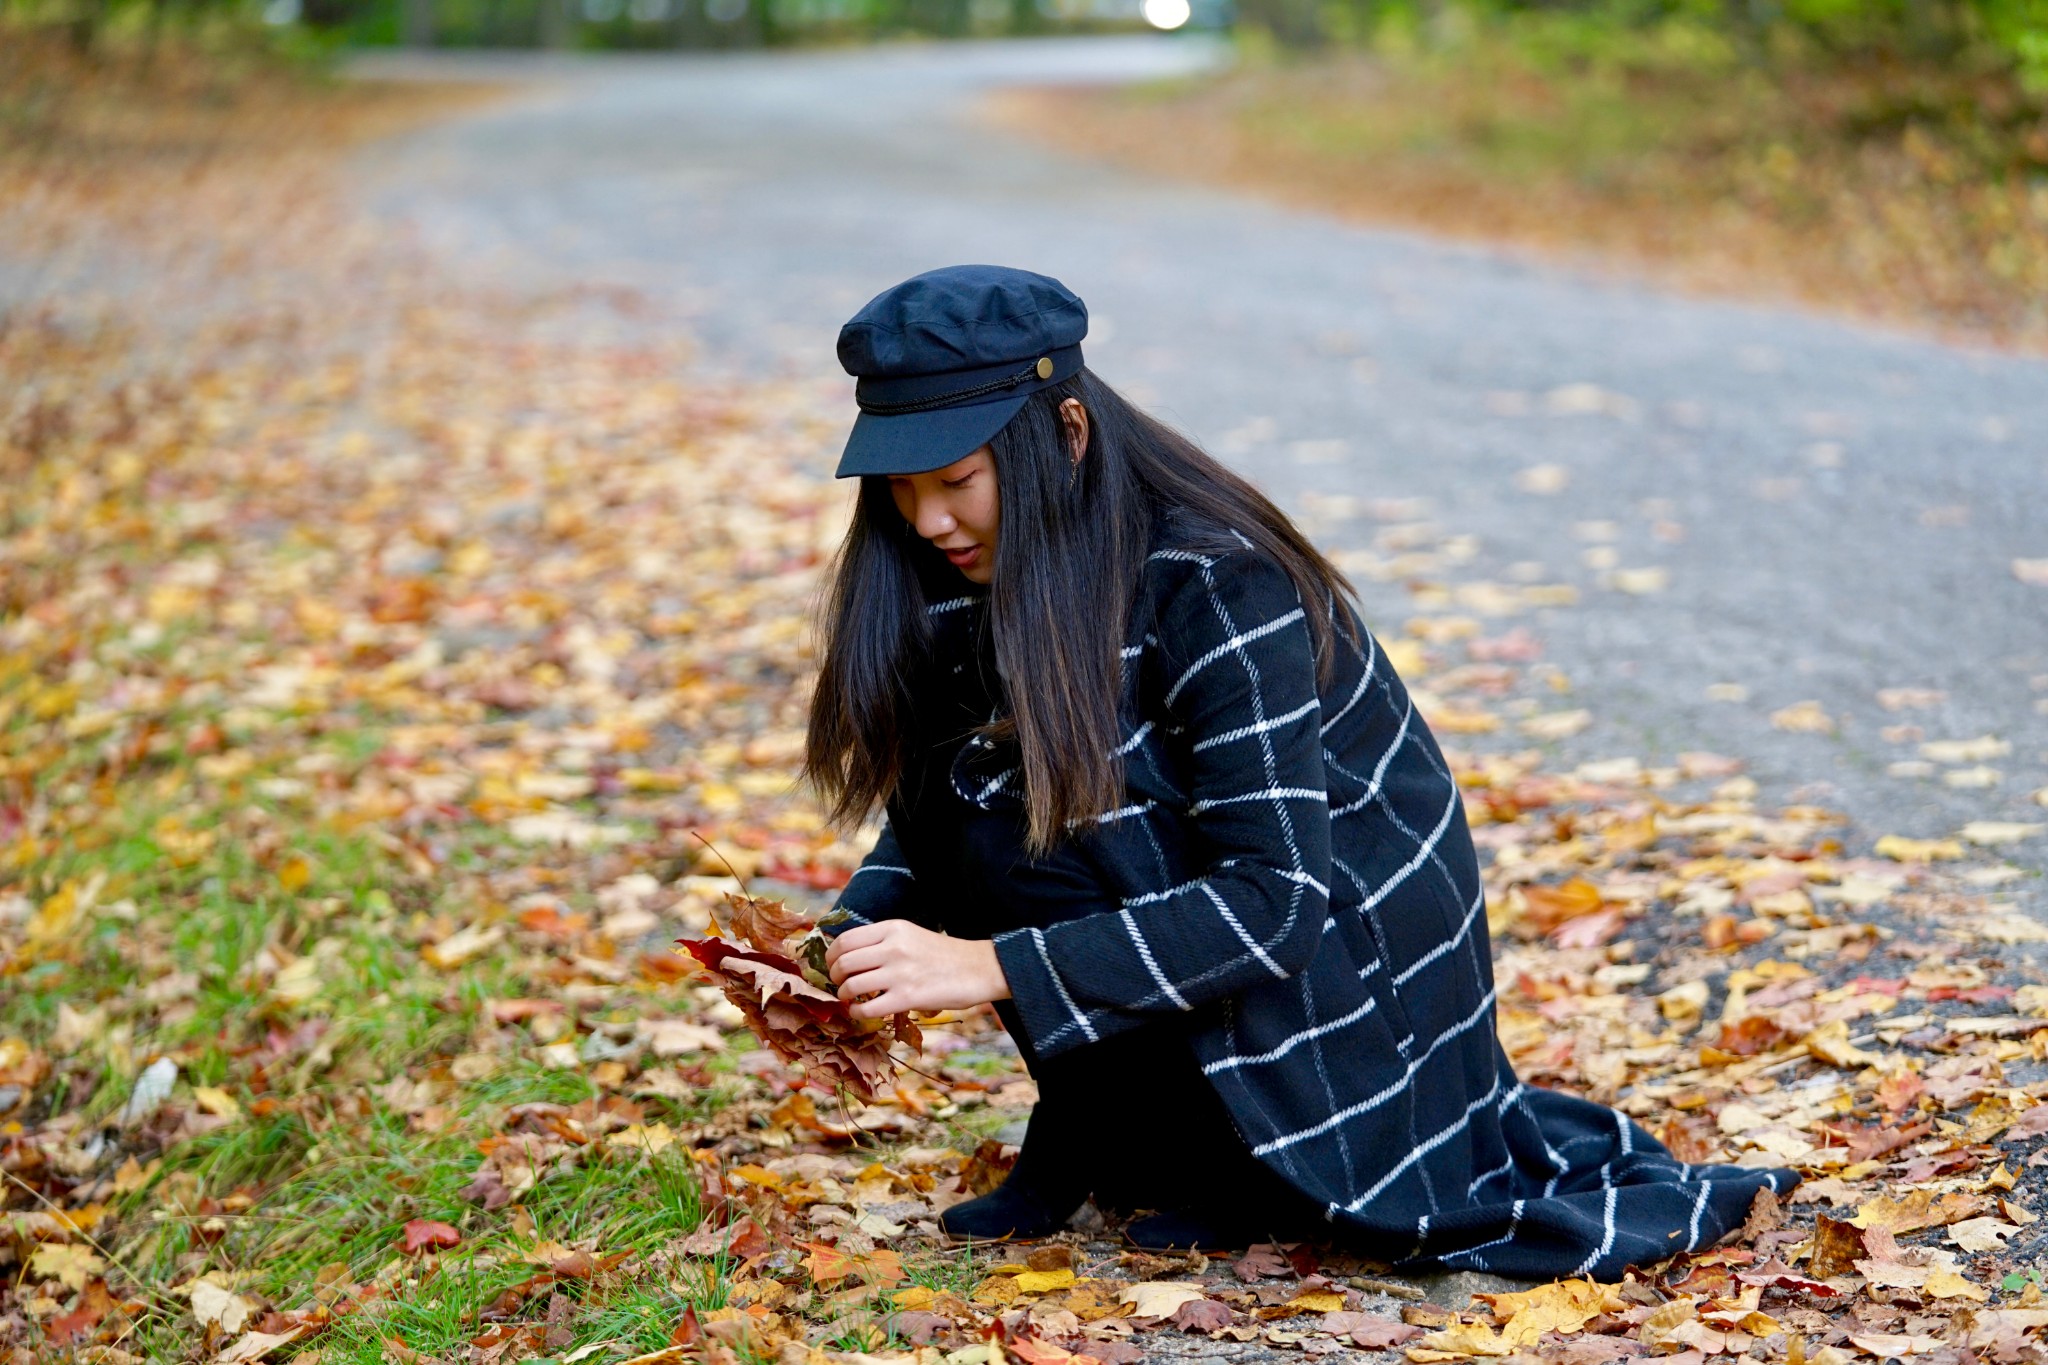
(934, 521)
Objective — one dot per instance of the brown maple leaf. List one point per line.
(763, 924)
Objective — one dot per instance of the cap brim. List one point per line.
(916, 443)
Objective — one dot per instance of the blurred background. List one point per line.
(2002, 45)
(417, 420)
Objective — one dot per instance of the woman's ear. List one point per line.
(1074, 418)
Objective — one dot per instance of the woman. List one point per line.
(1153, 790)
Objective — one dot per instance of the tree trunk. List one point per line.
(153, 33)
(1292, 23)
(85, 26)
(556, 27)
(416, 22)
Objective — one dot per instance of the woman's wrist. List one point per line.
(989, 971)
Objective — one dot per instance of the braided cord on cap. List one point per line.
(1037, 369)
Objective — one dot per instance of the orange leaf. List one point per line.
(827, 1264)
(1033, 1351)
(1750, 1035)
(882, 1268)
(1550, 906)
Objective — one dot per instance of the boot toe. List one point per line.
(1005, 1213)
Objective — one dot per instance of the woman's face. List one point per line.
(955, 509)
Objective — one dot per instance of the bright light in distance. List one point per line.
(1166, 13)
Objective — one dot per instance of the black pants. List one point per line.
(1152, 1131)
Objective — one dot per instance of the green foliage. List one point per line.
(2011, 35)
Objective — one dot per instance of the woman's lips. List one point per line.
(964, 558)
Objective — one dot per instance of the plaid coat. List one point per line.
(1291, 868)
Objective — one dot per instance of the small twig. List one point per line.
(846, 1114)
(1391, 1288)
(730, 869)
(1858, 1041)
(919, 1070)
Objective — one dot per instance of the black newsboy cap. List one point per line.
(945, 359)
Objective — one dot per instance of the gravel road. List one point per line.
(1771, 504)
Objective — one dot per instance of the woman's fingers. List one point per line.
(855, 962)
(861, 936)
(881, 1007)
(867, 979)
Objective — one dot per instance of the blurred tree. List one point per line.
(416, 22)
(1291, 23)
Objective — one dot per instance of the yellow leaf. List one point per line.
(1464, 1339)
(71, 1265)
(293, 874)
(1090, 1300)
(462, 945)
(649, 1138)
(996, 1289)
(1897, 1215)
(132, 1176)
(216, 1101)
(1903, 850)
(63, 914)
(758, 1175)
(1683, 1002)
(648, 780)
(1946, 1284)
(1563, 1307)
(1805, 717)
(299, 982)
(1317, 1303)
(721, 798)
(915, 1298)
(1044, 1281)
(1830, 1043)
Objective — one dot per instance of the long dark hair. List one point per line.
(1070, 547)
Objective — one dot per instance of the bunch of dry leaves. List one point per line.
(791, 1005)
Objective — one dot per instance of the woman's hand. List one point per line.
(908, 968)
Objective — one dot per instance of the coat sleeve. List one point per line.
(882, 887)
(1240, 683)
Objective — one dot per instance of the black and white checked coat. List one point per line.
(1291, 867)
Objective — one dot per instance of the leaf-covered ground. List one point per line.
(1907, 191)
(381, 660)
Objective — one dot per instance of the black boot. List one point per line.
(1185, 1230)
(1045, 1187)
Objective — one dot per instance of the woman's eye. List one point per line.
(960, 482)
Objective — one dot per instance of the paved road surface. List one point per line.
(1836, 507)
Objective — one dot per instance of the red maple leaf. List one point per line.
(421, 1233)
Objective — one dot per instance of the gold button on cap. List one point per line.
(1045, 367)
